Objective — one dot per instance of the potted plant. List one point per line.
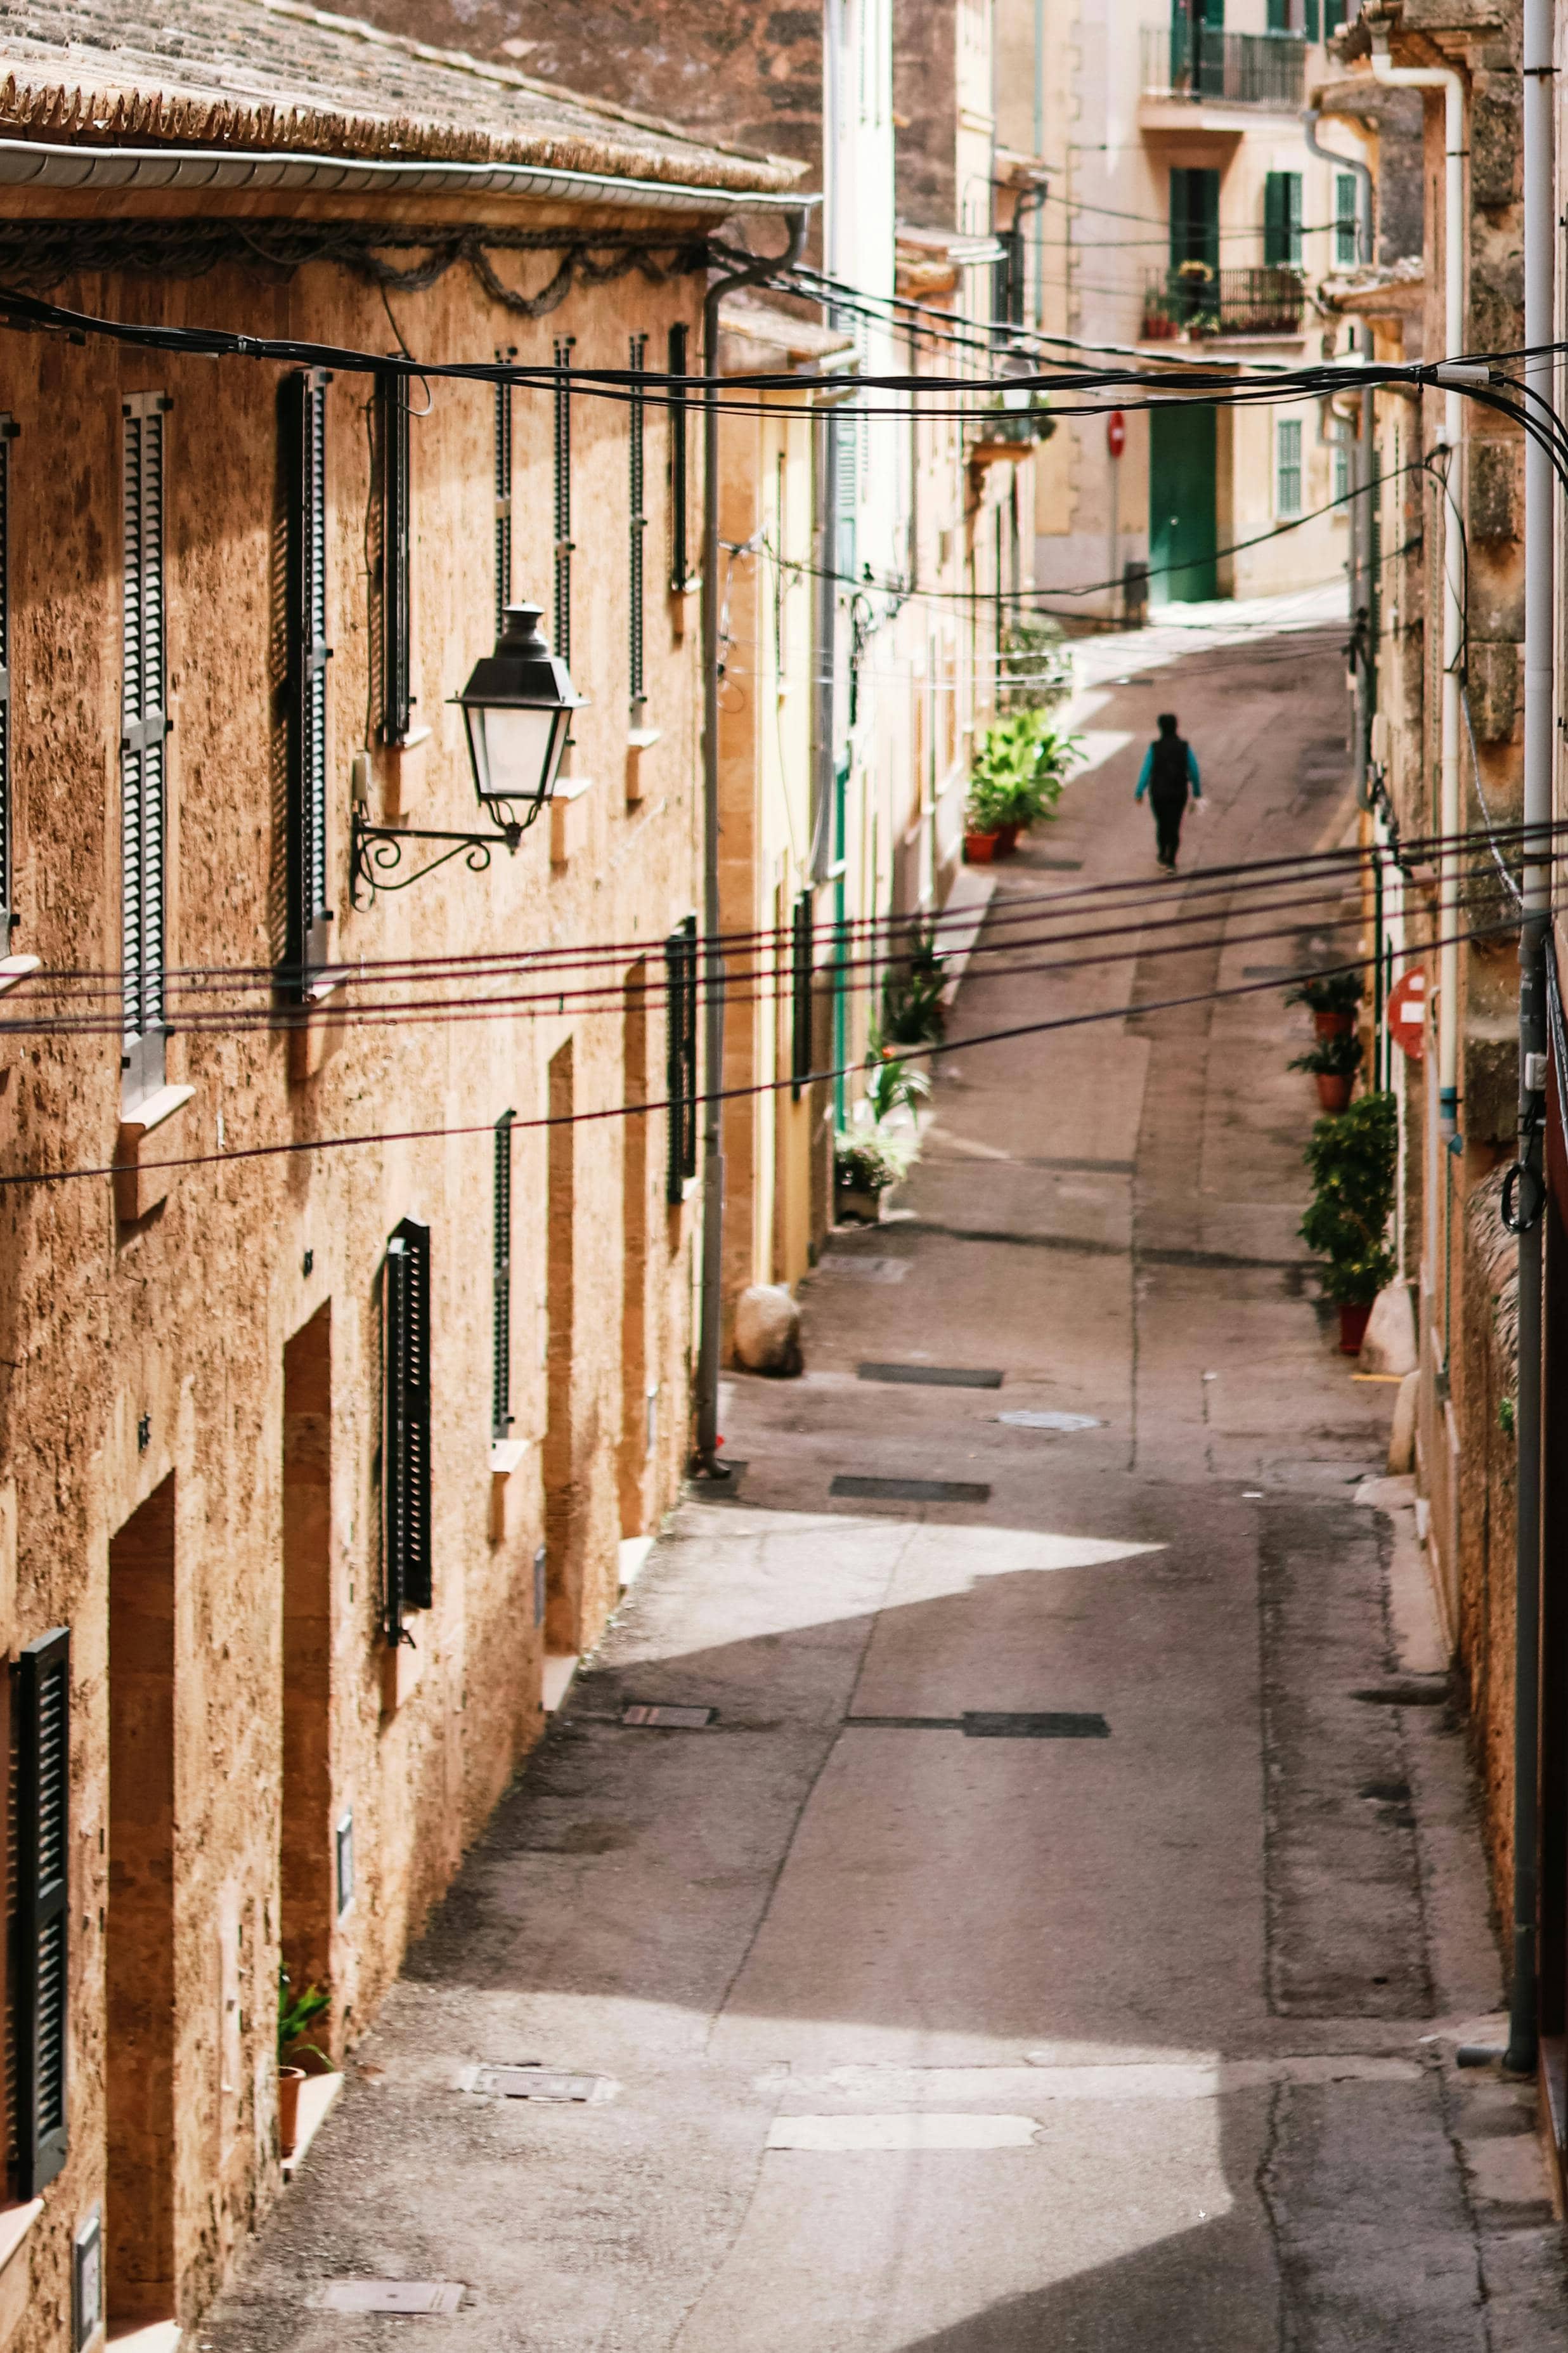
(1352, 1163)
(1020, 765)
(1333, 999)
(1333, 1062)
(912, 1011)
(985, 820)
(294, 2017)
(865, 1163)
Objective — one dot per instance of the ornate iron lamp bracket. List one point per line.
(375, 852)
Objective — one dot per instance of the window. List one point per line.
(1347, 241)
(7, 889)
(680, 1029)
(503, 493)
(679, 556)
(396, 614)
(1194, 216)
(1334, 17)
(1343, 464)
(143, 746)
(1288, 465)
(564, 549)
(800, 991)
(42, 1685)
(844, 433)
(405, 1425)
(1282, 220)
(638, 525)
(500, 1279)
(303, 452)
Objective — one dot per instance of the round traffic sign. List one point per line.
(1116, 433)
(1408, 1012)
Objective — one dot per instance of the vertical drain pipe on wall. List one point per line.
(1523, 2021)
(705, 1463)
(1361, 463)
(1452, 86)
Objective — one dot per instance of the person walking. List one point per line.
(1169, 772)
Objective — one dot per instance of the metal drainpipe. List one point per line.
(1360, 456)
(1452, 85)
(1523, 2024)
(705, 1461)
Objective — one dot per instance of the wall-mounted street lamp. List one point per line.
(517, 708)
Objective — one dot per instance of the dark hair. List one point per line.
(1167, 723)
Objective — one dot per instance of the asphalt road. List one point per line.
(911, 2026)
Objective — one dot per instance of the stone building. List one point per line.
(327, 1417)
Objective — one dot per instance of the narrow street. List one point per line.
(917, 2028)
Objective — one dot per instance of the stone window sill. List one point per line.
(16, 968)
(138, 1190)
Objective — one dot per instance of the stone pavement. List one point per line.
(910, 2034)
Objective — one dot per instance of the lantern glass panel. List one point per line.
(514, 751)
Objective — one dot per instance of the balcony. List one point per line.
(1188, 62)
(1196, 300)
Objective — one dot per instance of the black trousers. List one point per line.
(1167, 807)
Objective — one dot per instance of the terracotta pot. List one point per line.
(1354, 1319)
(1334, 1092)
(288, 2082)
(980, 848)
(1332, 1025)
(1007, 840)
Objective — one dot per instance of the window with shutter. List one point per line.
(680, 557)
(500, 1397)
(503, 493)
(144, 745)
(303, 451)
(1287, 467)
(680, 1032)
(405, 1425)
(1347, 239)
(396, 607)
(638, 525)
(844, 433)
(800, 992)
(9, 432)
(40, 2020)
(1282, 220)
(563, 545)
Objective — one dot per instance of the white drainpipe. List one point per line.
(1452, 86)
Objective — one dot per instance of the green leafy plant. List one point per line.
(1331, 1058)
(891, 1084)
(1035, 668)
(1507, 1416)
(1352, 1163)
(867, 1160)
(1329, 992)
(912, 1011)
(296, 2014)
(1018, 772)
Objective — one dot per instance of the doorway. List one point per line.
(307, 1896)
(1182, 473)
(561, 1594)
(138, 2060)
(636, 1397)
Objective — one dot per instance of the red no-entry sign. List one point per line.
(1116, 433)
(1408, 1012)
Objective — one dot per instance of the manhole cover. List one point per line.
(978, 1726)
(1051, 1421)
(664, 1718)
(442, 2297)
(528, 2083)
(911, 1491)
(863, 1270)
(931, 1377)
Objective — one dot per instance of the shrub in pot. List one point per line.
(1333, 1062)
(1352, 1159)
(865, 1163)
(295, 2015)
(1333, 1000)
(912, 1011)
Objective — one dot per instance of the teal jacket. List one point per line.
(1147, 770)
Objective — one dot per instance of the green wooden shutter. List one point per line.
(303, 448)
(563, 455)
(637, 527)
(405, 1425)
(1347, 224)
(1312, 19)
(43, 1908)
(681, 1056)
(143, 739)
(1273, 220)
(503, 493)
(679, 559)
(500, 1279)
(801, 945)
(396, 601)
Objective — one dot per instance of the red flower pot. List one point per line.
(1007, 840)
(1353, 1320)
(1334, 1092)
(980, 848)
(1332, 1025)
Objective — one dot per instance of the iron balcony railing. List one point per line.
(1197, 300)
(1189, 61)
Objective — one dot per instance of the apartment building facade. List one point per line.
(347, 1320)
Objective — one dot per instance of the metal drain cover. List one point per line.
(911, 1491)
(442, 2297)
(931, 1377)
(663, 1717)
(535, 2083)
(978, 1725)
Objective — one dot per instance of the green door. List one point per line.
(1182, 534)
